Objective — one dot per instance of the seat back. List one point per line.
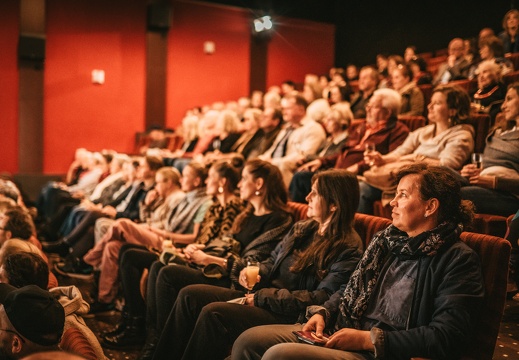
(494, 254)
(75, 342)
(298, 210)
(412, 122)
(368, 225)
(481, 124)
(511, 77)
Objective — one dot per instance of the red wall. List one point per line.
(299, 47)
(195, 78)
(9, 25)
(82, 36)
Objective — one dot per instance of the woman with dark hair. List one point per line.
(447, 141)
(419, 68)
(305, 269)
(494, 187)
(415, 293)
(257, 230)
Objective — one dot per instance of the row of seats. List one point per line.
(494, 253)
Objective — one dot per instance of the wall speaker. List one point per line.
(31, 47)
(159, 17)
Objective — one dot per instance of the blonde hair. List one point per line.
(170, 173)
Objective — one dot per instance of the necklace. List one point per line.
(479, 96)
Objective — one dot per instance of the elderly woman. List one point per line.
(412, 96)
(494, 188)
(414, 294)
(307, 266)
(491, 90)
(509, 34)
(446, 141)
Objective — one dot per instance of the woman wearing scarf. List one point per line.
(414, 294)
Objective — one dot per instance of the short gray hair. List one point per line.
(391, 100)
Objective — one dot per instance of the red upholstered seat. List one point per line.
(481, 124)
(298, 210)
(494, 253)
(367, 226)
(75, 342)
(412, 122)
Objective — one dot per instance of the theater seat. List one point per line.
(75, 342)
(494, 254)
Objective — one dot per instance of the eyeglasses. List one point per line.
(15, 333)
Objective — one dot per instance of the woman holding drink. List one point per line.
(258, 229)
(311, 262)
(494, 188)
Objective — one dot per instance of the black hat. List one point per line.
(35, 313)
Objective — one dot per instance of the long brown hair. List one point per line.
(274, 191)
(338, 189)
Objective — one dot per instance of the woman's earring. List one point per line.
(425, 216)
(257, 193)
(220, 189)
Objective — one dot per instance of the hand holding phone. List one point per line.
(310, 337)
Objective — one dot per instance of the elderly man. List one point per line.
(368, 82)
(382, 129)
(31, 320)
(456, 67)
(300, 137)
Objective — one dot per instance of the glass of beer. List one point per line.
(252, 272)
(477, 159)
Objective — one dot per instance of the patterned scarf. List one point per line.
(389, 241)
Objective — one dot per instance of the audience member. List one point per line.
(352, 73)
(416, 292)
(31, 320)
(491, 90)
(159, 203)
(456, 67)
(24, 268)
(270, 123)
(305, 269)
(412, 96)
(447, 141)
(300, 136)
(410, 53)
(509, 34)
(491, 48)
(494, 188)
(368, 82)
(419, 68)
(381, 128)
(336, 124)
(15, 223)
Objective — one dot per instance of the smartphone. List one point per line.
(310, 337)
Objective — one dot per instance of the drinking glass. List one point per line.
(477, 159)
(252, 272)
